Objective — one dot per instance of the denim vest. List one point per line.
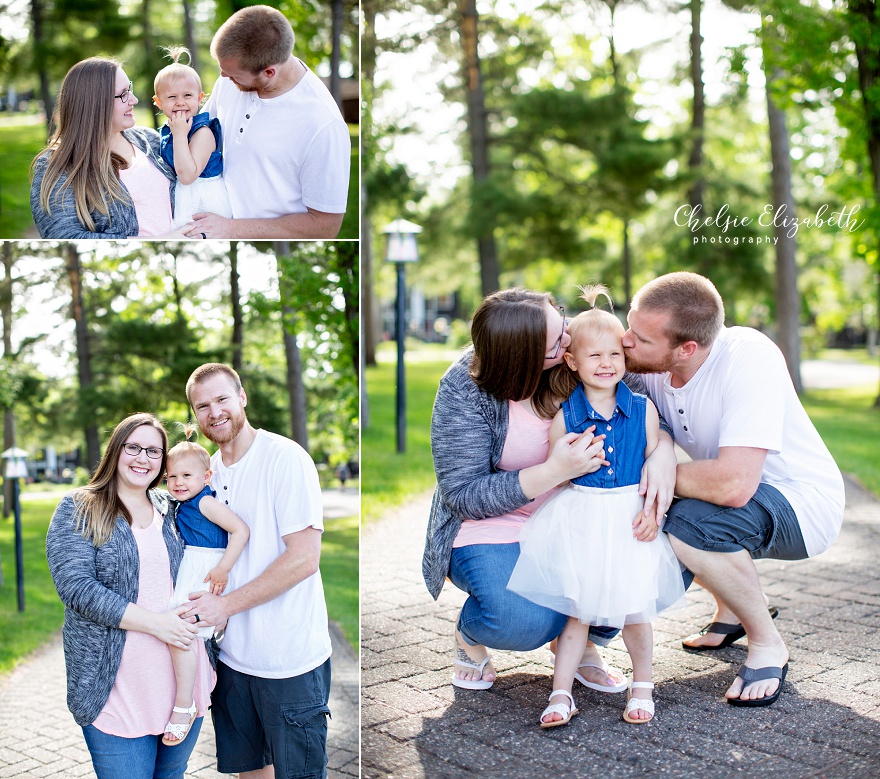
(214, 166)
(625, 437)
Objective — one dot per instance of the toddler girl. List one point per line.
(214, 537)
(590, 551)
(190, 142)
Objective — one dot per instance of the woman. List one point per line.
(114, 558)
(100, 176)
(490, 442)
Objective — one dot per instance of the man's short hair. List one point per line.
(695, 307)
(256, 37)
(204, 372)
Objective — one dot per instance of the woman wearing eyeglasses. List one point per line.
(490, 442)
(114, 556)
(100, 176)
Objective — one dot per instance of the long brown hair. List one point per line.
(98, 504)
(509, 331)
(80, 143)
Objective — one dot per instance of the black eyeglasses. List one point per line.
(561, 310)
(152, 452)
(123, 95)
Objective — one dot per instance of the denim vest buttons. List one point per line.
(625, 437)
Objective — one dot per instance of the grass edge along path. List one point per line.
(21, 633)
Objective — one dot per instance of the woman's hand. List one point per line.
(172, 628)
(576, 454)
(658, 478)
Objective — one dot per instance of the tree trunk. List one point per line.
(295, 387)
(189, 36)
(627, 265)
(235, 298)
(868, 25)
(84, 358)
(698, 116)
(788, 299)
(479, 139)
(151, 57)
(337, 9)
(39, 58)
(369, 303)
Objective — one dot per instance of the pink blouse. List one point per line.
(151, 193)
(527, 444)
(143, 694)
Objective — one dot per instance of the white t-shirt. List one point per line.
(274, 488)
(742, 395)
(283, 154)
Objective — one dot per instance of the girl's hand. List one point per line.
(173, 629)
(218, 578)
(179, 123)
(645, 527)
(575, 454)
(658, 478)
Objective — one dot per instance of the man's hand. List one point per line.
(212, 609)
(211, 225)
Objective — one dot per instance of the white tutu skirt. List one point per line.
(202, 196)
(197, 561)
(578, 556)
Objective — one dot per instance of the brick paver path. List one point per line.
(825, 724)
(38, 737)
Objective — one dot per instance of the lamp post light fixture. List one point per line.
(16, 468)
(400, 249)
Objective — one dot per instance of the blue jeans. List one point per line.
(496, 617)
(146, 757)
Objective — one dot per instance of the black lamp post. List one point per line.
(400, 249)
(16, 468)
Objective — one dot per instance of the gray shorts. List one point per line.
(766, 527)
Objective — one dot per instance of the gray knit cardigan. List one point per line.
(121, 222)
(468, 431)
(96, 585)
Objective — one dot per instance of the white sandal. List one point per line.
(638, 703)
(563, 709)
(180, 730)
(463, 659)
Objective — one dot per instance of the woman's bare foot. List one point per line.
(476, 653)
(591, 668)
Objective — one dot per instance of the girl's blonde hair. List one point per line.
(176, 71)
(189, 448)
(98, 504)
(79, 147)
(590, 323)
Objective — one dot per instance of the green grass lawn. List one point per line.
(23, 632)
(20, 144)
(339, 572)
(850, 427)
(389, 478)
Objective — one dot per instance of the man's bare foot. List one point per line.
(476, 653)
(708, 638)
(773, 655)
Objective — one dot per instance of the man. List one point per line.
(286, 148)
(761, 483)
(273, 674)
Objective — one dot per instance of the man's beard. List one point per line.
(635, 366)
(236, 424)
